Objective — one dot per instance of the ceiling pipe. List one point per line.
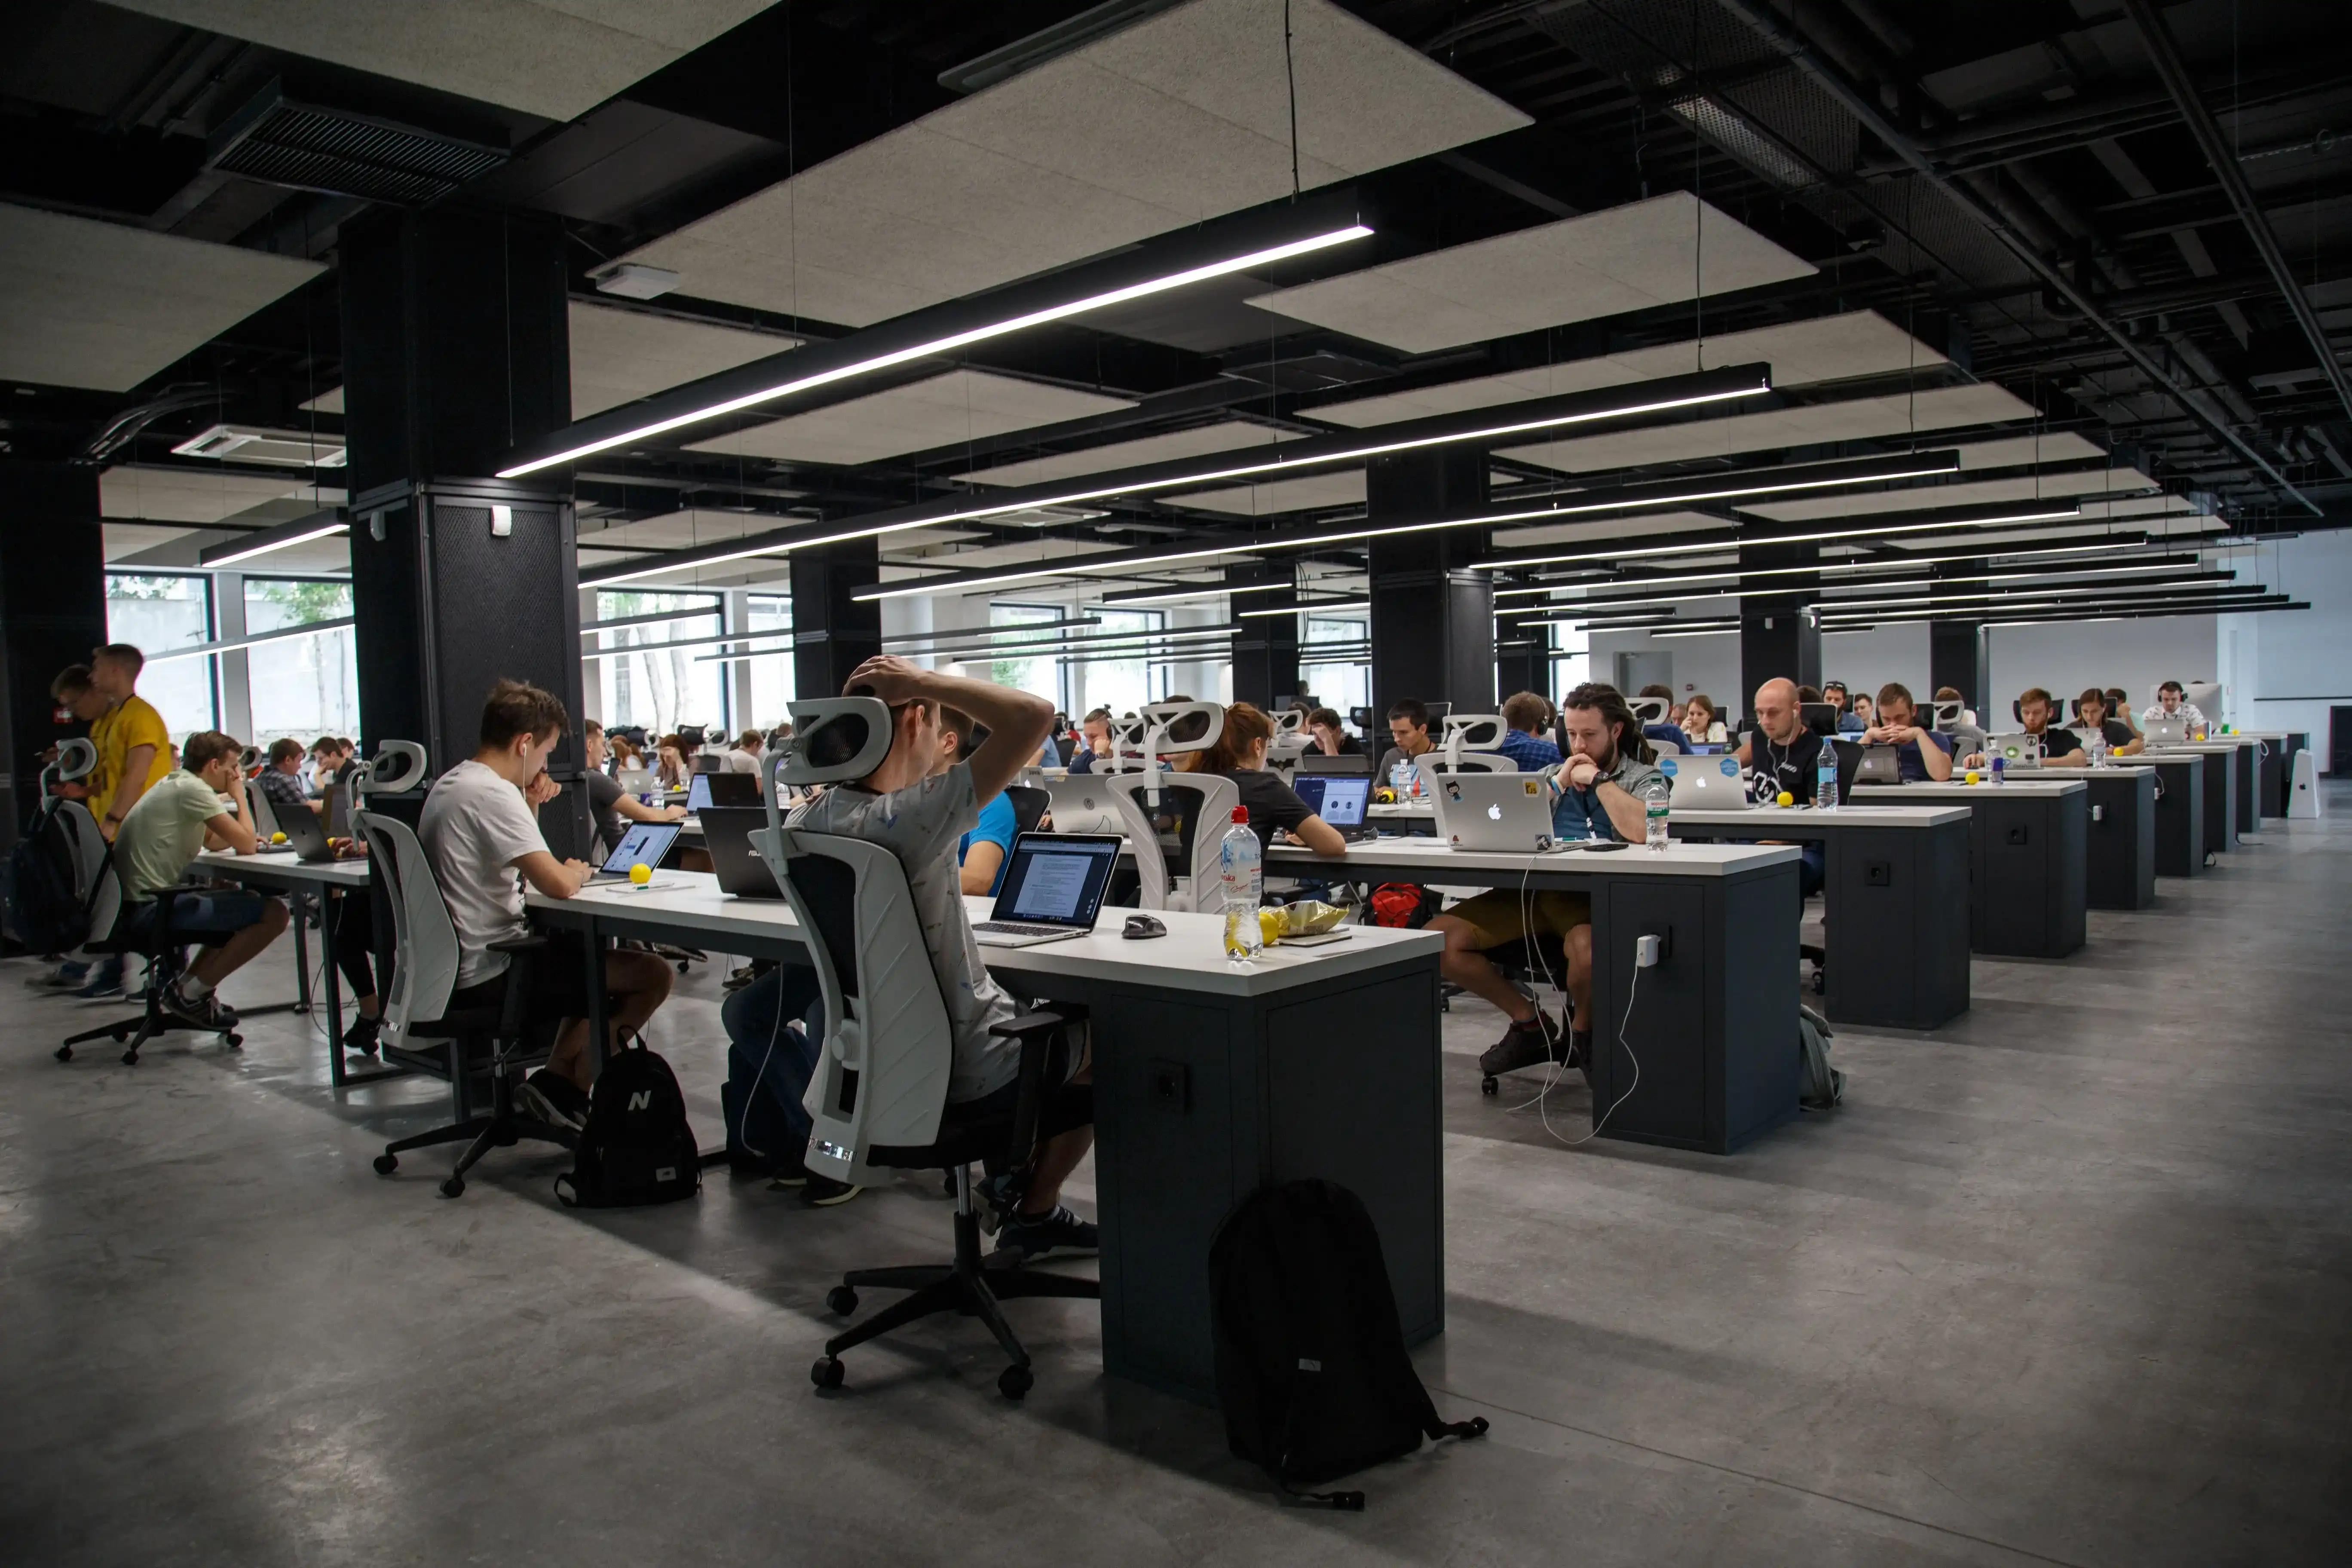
(2174, 75)
(1767, 25)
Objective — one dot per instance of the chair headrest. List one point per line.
(75, 758)
(1478, 732)
(1948, 713)
(397, 766)
(1650, 709)
(248, 759)
(1289, 721)
(1174, 727)
(835, 739)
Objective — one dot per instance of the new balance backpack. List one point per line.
(1310, 1361)
(637, 1147)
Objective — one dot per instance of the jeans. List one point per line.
(783, 1059)
(1811, 857)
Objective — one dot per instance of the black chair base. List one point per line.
(151, 1023)
(967, 1286)
(503, 1128)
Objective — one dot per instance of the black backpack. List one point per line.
(36, 888)
(637, 1147)
(1311, 1368)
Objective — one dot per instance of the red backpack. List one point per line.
(1406, 906)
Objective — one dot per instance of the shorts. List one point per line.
(206, 919)
(558, 983)
(1499, 917)
(1067, 1106)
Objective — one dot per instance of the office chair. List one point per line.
(1171, 815)
(878, 1096)
(1030, 805)
(420, 1028)
(114, 916)
(85, 845)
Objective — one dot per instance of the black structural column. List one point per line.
(833, 633)
(1523, 663)
(1956, 649)
(455, 346)
(1779, 631)
(52, 612)
(1265, 656)
(1432, 618)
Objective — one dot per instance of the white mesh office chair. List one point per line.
(877, 1100)
(1174, 821)
(78, 828)
(1469, 746)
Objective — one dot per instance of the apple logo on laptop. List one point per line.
(1495, 813)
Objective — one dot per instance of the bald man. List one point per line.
(1785, 758)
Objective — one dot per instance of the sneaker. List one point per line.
(823, 1192)
(360, 1039)
(1524, 1044)
(1027, 1238)
(66, 976)
(105, 980)
(999, 1197)
(554, 1100)
(1580, 1050)
(207, 1013)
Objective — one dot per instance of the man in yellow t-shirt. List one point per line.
(134, 749)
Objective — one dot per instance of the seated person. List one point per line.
(2119, 710)
(282, 779)
(982, 852)
(671, 768)
(1849, 722)
(608, 804)
(2091, 713)
(2060, 747)
(1701, 723)
(1239, 754)
(1593, 797)
(1965, 737)
(327, 755)
(920, 815)
(1409, 729)
(481, 832)
(1861, 712)
(1921, 754)
(160, 839)
(2172, 702)
(1095, 743)
(1785, 758)
(1525, 714)
(743, 756)
(1330, 735)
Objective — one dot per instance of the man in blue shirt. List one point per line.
(1923, 756)
(1849, 722)
(1525, 714)
(982, 852)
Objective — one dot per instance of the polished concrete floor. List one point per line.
(2070, 1281)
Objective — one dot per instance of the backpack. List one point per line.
(1310, 1363)
(1405, 906)
(637, 1147)
(1819, 1085)
(37, 902)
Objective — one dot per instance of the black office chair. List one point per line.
(879, 1091)
(1030, 805)
(152, 941)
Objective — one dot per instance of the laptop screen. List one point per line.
(645, 842)
(1057, 879)
(1338, 801)
(698, 793)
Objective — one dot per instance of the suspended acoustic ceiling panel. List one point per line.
(1856, 419)
(1606, 531)
(188, 494)
(2023, 451)
(99, 305)
(1830, 348)
(1181, 117)
(1017, 553)
(1657, 252)
(1311, 492)
(962, 405)
(683, 529)
(125, 540)
(1204, 440)
(619, 356)
(1935, 498)
(554, 57)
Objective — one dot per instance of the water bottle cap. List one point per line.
(1241, 813)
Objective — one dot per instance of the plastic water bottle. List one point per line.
(1826, 777)
(1655, 794)
(1401, 779)
(2097, 746)
(1241, 878)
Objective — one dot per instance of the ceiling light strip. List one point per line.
(269, 546)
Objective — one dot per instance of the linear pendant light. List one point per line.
(2217, 597)
(2105, 541)
(2173, 563)
(2054, 511)
(948, 344)
(271, 539)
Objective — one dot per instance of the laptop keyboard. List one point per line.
(1019, 927)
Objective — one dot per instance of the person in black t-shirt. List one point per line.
(2092, 712)
(1330, 735)
(2060, 747)
(607, 801)
(1785, 758)
(1239, 754)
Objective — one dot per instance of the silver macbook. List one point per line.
(1880, 765)
(1053, 888)
(2164, 731)
(1704, 783)
(2018, 751)
(1084, 804)
(1505, 813)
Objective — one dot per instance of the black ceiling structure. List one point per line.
(2136, 217)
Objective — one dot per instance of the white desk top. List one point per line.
(283, 865)
(1430, 859)
(1957, 790)
(1190, 957)
(1770, 819)
(2223, 746)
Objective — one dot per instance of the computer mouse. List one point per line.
(1138, 927)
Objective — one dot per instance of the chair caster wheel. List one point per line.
(840, 1301)
(121, 1037)
(827, 1371)
(65, 1053)
(1489, 1087)
(1014, 1382)
(131, 1058)
(453, 1187)
(234, 1042)
(682, 966)
(386, 1165)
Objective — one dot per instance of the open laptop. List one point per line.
(1339, 800)
(1704, 783)
(707, 790)
(1084, 804)
(1505, 813)
(1051, 891)
(1879, 765)
(305, 835)
(2164, 731)
(726, 834)
(645, 843)
(2018, 751)
(636, 780)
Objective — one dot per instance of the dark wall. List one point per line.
(1432, 618)
(52, 612)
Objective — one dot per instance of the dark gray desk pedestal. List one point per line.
(2179, 815)
(2244, 769)
(2028, 856)
(2121, 870)
(2221, 801)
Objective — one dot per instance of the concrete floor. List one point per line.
(2066, 1282)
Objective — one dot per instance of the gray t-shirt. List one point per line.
(474, 829)
(922, 825)
(1579, 813)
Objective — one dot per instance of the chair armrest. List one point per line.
(1036, 1031)
(517, 944)
(1036, 1024)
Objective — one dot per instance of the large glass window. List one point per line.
(1040, 674)
(1121, 684)
(771, 672)
(1341, 678)
(647, 682)
(156, 614)
(304, 686)
(1571, 660)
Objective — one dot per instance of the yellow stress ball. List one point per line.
(1270, 926)
(641, 873)
(1784, 798)
(278, 838)
(1972, 776)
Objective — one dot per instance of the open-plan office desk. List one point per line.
(1211, 1079)
(2120, 837)
(2028, 856)
(281, 871)
(2273, 767)
(2229, 768)
(2179, 813)
(1714, 1025)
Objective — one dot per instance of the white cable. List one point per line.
(1544, 1109)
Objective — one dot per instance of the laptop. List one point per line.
(636, 780)
(1707, 748)
(338, 815)
(727, 833)
(645, 843)
(1506, 813)
(1704, 783)
(305, 834)
(2018, 751)
(707, 790)
(2164, 731)
(1345, 763)
(1051, 891)
(1339, 800)
(1084, 804)
(1879, 765)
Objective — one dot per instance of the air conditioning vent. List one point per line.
(253, 444)
(282, 142)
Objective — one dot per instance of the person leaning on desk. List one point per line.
(1921, 754)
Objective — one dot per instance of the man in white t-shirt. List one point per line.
(2172, 702)
(480, 830)
(921, 816)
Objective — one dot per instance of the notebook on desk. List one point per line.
(2164, 731)
(707, 790)
(1053, 888)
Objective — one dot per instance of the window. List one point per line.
(304, 686)
(772, 665)
(1121, 684)
(1341, 678)
(156, 614)
(1042, 675)
(649, 683)
(1571, 660)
